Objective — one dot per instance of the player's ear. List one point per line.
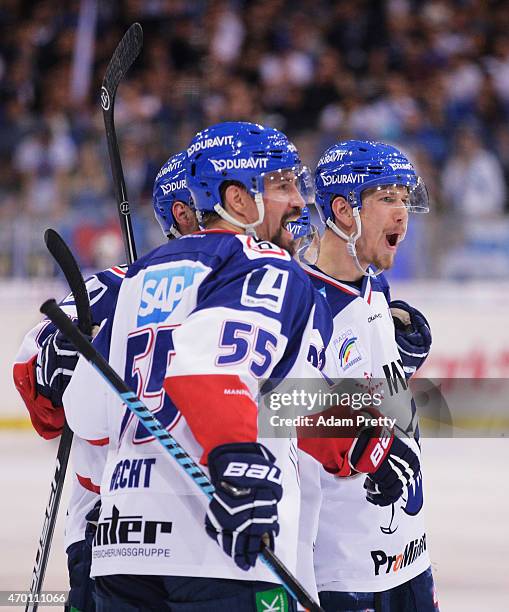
(342, 210)
(185, 217)
(237, 200)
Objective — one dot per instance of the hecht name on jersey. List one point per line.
(132, 473)
(342, 179)
(162, 292)
(239, 164)
(169, 168)
(207, 143)
(173, 186)
(413, 550)
(335, 156)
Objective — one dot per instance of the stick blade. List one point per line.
(63, 256)
(122, 59)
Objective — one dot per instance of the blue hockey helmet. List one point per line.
(170, 186)
(348, 168)
(248, 153)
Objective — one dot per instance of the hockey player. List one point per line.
(375, 557)
(207, 318)
(45, 364)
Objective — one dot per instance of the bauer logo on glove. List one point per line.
(243, 510)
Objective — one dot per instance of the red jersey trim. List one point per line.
(87, 484)
(99, 442)
(331, 281)
(118, 271)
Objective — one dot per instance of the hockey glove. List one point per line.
(396, 472)
(54, 367)
(244, 506)
(413, 335)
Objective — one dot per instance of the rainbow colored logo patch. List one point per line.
(348, 349)
(345, 352)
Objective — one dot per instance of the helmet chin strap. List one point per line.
(351, 240)
(174, 232)
(248, 227)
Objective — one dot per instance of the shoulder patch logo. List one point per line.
(254, 249)
(347, 349)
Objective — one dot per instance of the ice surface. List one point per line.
(466, 488)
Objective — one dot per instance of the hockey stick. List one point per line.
(155, 428)
(123, 57)
(65, 259)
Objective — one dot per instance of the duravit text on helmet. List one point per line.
(169, 188)
(207, 143)
(169, 168)
(344, 178)
(239, 164)
(334, 156)
(407, 166)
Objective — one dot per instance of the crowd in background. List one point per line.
(431, 77)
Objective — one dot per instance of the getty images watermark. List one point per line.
(310, 401)
(435, 408)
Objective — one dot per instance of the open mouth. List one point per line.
(392, 239)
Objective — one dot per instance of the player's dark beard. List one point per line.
(284, 243)
(278, 239)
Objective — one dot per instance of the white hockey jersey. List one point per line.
(209, 318)
(360, 546)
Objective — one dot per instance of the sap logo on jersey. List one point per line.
(162, 292)
(347, 349)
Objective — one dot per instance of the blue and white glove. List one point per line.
(55, 364)
(397, 471)
(413, 335)
(244, 506)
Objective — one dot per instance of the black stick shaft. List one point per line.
(50, 519)
(123, 57)
(65, 259)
